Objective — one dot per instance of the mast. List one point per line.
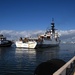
(52, 26)
(52, 30)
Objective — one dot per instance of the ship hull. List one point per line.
(46, 45)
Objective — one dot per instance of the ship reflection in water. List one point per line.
(17, 61)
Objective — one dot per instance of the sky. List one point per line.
(20, 15)
(24, 18)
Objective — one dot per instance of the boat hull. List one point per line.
(30, 44)
(48, 43)
(8, 44)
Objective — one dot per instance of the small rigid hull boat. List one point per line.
(4, 42)
(26, 43)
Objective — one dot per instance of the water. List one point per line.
(20, 61)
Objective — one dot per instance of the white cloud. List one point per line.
(67, 35)
(13, 35)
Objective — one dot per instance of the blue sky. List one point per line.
(23, 15)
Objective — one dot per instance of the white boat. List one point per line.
(50, 38)
(26, 43)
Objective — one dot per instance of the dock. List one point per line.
(67, 69)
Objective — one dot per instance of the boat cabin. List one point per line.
(2, 37)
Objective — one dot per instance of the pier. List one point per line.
(67, 69)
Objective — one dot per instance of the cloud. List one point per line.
(67, 35)
(14, 35)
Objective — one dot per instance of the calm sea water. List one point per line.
(20, 61)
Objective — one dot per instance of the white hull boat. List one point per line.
(29, 44)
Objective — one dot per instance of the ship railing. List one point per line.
(67, 69)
